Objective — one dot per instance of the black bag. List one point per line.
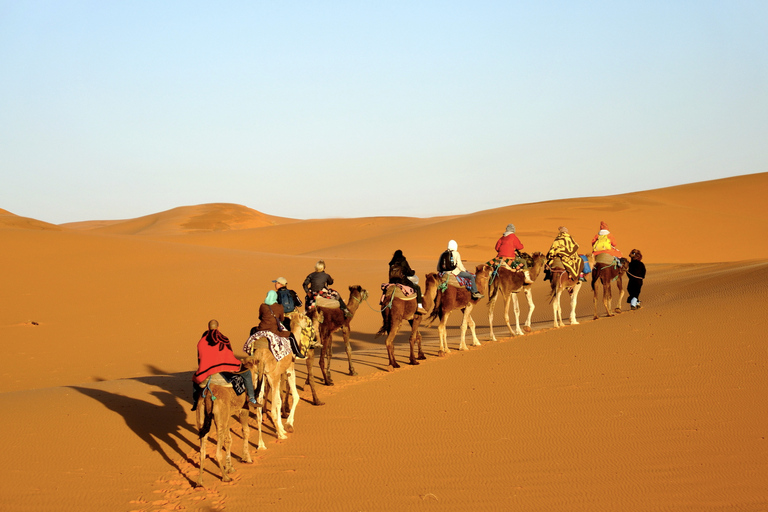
(446, 263)
(285, 298)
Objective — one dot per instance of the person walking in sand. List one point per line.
(636, 274)
(215, 355)
(318, 283)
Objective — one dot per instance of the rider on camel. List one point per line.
(563, 254)
(508, 250)
(318, 283)
(400, 272)
(459, 270)
(215, 355)
(605, 243)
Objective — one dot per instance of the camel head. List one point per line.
(358, 292)
(482, 277)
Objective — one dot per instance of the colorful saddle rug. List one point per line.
(279, 346)
(391, 291)
(449, 279)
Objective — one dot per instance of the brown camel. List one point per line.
(607, 273)
(395, 311)
(453, 298)
(561, 281)
(270, 372)
(217, 405)
(508, 284)
(330, 320)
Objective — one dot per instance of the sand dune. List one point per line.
(657, 409)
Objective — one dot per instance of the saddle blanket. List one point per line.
(279, 346)
(400, 291)
(326, 303)
(607, 259)
(456, 281)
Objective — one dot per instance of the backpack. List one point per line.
(285, 298)
(446, 263)
(603, 243)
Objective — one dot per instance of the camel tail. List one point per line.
(552, 292)
(436, 311)
(208, 418)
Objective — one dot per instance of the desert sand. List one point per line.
(663, 408)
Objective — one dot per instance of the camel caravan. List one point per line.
(225, 385)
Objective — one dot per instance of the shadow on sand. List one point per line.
(159, 425)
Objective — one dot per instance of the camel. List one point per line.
(607, 273)
(561, 281)
(218, 404)
(508, 284)
(330, 320)
(452, 298)
(393, 314)
(270, 372)
(307, 331)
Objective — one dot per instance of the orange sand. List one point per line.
(664, 408)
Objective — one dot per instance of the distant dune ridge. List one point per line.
(661, 408)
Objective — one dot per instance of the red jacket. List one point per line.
(507, 244)
(214, 355)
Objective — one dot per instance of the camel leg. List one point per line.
(507, 301)
(390, 344)
(574, 299)
(414, 338)
(203, 439)
(348, 348)
(325, 361)
(556, 308)
(418, 340)
(311, 377)
(259, 421)
(620, 285)
(471, 321)
(516, 307)
(531, 307)
(223, 440)
(443, 337)
(275, 407)
(491, 306)
(595, 277)
(290, 378)
(607, 296)
(463, 343)
(244, 417)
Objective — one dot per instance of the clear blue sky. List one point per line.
(112, 110)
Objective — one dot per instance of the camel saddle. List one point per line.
(450, 279)
(391, 291)
(605, 258)
(326, 303)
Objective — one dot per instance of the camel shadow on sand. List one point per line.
(164, 426)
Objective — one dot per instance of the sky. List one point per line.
(317, 109)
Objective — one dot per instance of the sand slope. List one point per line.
(658, 409)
